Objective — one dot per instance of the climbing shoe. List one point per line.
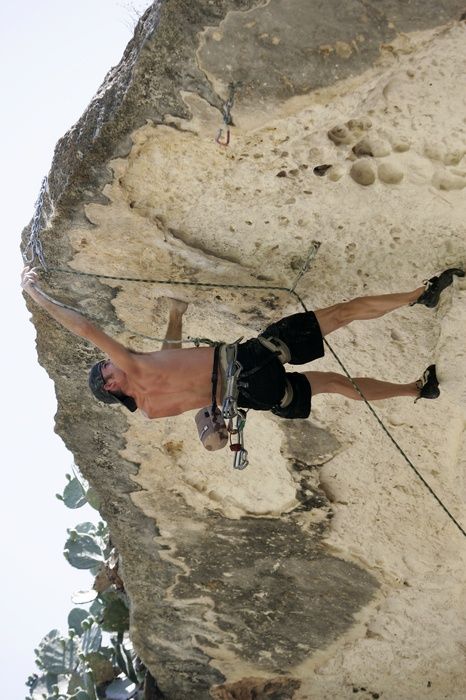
(428, 385)
(436, 285)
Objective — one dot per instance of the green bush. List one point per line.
(96, 660)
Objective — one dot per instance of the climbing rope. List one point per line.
(208, 285)
(306, 264)
(387, 432)
(35, 248)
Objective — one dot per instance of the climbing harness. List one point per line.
(214, 432)
(227, 118)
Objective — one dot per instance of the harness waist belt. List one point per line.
(275, 345)
(223, 369)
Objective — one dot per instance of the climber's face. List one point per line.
(112, 375)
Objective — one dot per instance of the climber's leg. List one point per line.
(362, 309)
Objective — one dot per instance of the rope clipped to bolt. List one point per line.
(227, 118)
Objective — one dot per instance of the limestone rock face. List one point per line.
(325, 568)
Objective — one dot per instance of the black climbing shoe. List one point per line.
(428, 385)
(436, 285)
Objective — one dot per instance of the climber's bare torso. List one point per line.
(166, 382)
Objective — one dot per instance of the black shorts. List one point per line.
(301, 334)
(263, 381)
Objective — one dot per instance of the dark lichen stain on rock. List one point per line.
(278, 596)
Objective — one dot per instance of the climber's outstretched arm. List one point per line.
(78, 324)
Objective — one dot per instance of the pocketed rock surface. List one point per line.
(326, 568)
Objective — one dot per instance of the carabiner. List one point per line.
(241, 459)
(226, 141)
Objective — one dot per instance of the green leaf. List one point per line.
(57, 654)
(42, 686)
(91, 639)
(83, 551)
(97, 608)
(116, 614)
(75, 618)
(130, 657)
(74, 495)
(86, 528)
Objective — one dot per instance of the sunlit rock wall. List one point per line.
(325, 568)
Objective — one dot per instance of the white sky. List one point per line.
(54, 55)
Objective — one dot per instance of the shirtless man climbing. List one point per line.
(171, 381)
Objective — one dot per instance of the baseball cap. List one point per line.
(96, 385)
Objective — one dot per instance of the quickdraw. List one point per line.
(235, 416)
(241, 454)
(227, 118)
